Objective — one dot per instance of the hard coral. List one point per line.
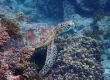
(4, 36)
(30, 68)
(19, 63)
(95, 33)
(20, 16)
(79, 59)
(12, 28)
(10, 76)
(2, 74)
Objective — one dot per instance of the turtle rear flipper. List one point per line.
(51, 56)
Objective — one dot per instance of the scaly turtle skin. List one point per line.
(42, 35)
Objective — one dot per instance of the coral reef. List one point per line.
(2, 74)
(95, 33)
(78, 56)
(4, 36)
(85, 6)
(7, 13)
(20, 63)
(81, 22)
(17, 65)
(10, 76)
(97, 16)
(78, 59)
(12, 28)
(107, 35)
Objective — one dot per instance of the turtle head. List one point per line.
(65, 26)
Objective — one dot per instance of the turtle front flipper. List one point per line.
(51, 56)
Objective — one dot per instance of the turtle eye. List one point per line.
(64, 25)
(61, 24)
(69, 25)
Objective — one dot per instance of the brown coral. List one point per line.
(10, 76)
(12, 28)
(19, 63)
(79, 59)
(2, 74)
(4, 37)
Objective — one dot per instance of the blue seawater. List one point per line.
(40, 11)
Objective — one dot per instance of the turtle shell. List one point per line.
(39, 35)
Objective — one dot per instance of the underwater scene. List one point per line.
(54, 39)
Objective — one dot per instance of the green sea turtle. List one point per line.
(42, 34)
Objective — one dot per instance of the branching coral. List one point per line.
(3, 35)
(12, 28)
